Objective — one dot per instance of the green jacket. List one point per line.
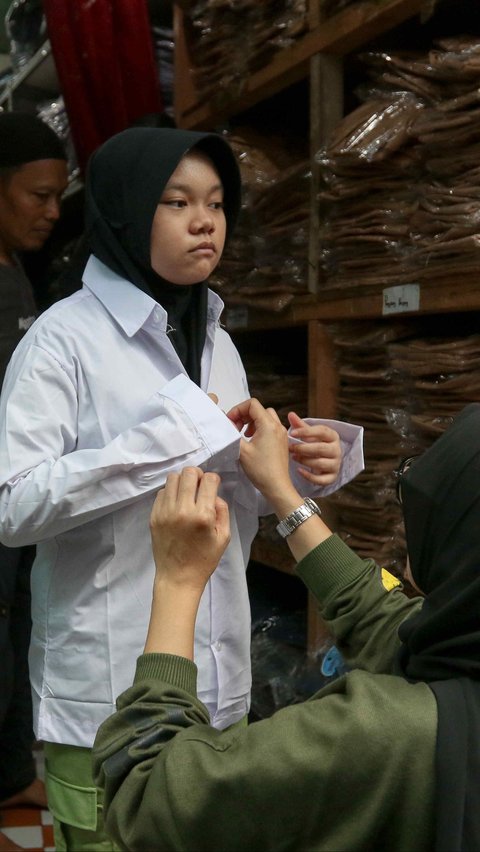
(350, 769)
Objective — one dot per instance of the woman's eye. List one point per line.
(175, 202)
(217, 205)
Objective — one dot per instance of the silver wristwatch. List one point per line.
(297, 517)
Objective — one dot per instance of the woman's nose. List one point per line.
(204, 221)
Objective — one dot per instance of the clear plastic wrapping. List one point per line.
(55, 115)
(395, 206)
(26, 30)
(231, 39)
(266, 263)
(419, 376)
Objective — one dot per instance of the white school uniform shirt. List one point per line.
(96, 410)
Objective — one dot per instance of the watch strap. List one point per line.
(297, 517)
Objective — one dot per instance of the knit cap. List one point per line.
(24, 138)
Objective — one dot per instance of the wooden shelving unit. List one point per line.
(337, 36)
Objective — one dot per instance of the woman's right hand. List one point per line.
(265, 456)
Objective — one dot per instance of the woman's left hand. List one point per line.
(319, 455)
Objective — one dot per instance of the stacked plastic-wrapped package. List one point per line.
(266, 263)
(419, 375)
(396, 206)
(231, 40)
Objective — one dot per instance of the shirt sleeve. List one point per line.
(48, 485)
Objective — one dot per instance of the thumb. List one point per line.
(213, 397)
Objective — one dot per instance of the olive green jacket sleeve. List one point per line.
(363, 604)
(352, 768)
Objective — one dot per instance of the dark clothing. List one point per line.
(17, 311)
(17, 768)
(350, 769)
(441, 505)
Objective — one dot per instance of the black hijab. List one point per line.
(125, 179)
(441, 506)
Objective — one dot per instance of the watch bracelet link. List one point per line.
(297, 517)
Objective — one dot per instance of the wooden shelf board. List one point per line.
(446, 297)
(339, 35)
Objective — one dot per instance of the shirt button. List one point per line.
(218, 646)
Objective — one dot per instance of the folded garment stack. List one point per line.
(419, 376)
(396, 206)
(266, 263)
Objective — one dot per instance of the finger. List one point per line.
(223, 519)
(171, 488)
(239, 413)
(317, 478)
(188, 484)
(213, 397)
(246, 412)
(314, 451)
(295, 421)
(318, 433)
(208, 490)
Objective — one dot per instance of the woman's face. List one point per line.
(189, 226)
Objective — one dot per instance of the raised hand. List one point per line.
(319, 454)
(265, 457)
(190, 528)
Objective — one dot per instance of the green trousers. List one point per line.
(74, 801)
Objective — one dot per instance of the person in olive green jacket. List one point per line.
(385, 757)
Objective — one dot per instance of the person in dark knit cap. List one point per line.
(33, 177)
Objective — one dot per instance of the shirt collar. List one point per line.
(129, 306)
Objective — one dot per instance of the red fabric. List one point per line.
(104, 55)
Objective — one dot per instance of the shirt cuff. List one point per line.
(218, 433)
(351, 442)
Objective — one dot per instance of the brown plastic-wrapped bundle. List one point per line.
(418, 378)
(446, 228)
(231, 40)
(369, 172)
(265, 264)
(442, 375)
(424, 223)
(369, 518)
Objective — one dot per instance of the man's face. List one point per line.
(30, 205)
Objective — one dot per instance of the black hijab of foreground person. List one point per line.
(125, 179)
(441, 643)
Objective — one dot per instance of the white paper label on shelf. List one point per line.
(397, 300)
(237, 317)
